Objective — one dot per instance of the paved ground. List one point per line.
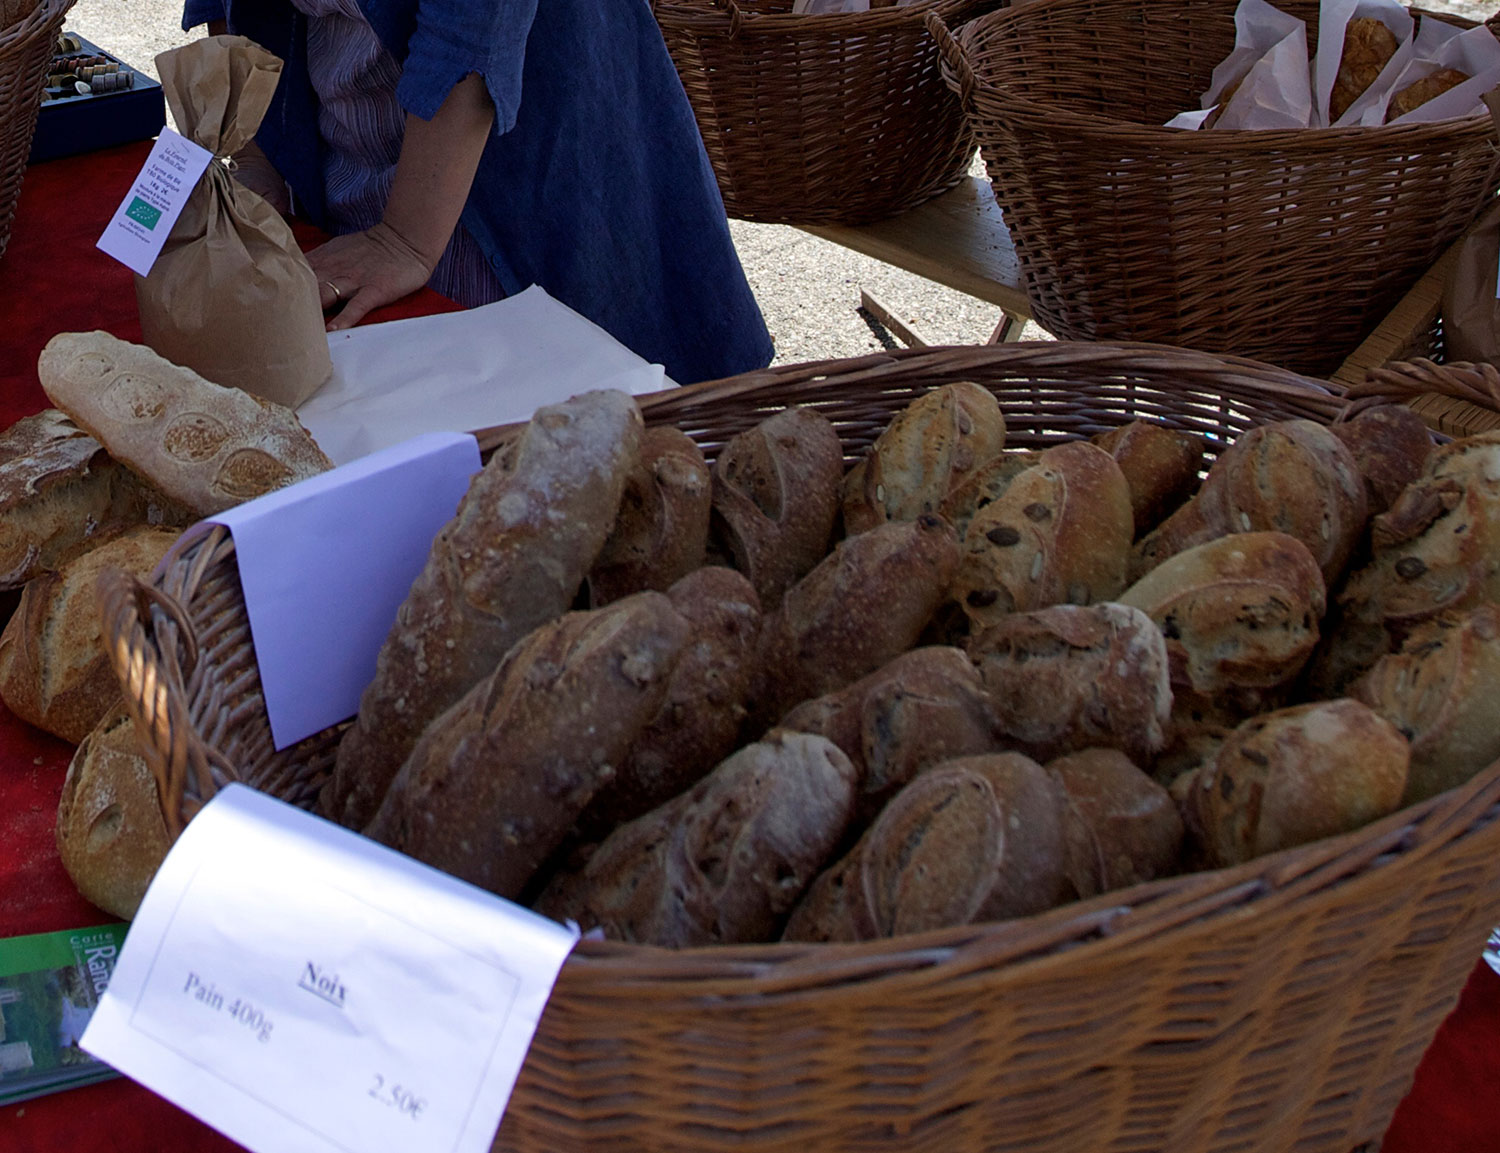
(808, 288)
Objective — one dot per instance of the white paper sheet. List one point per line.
(1269, 63)
(1439, 45)
(325, 564)
(305, 990)
(462, 371)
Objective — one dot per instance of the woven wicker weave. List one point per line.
(836, 119)
(1287, 246)
(1455, 399)
(26, 48)
(1281, 1004)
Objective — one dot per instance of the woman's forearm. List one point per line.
(436, 168)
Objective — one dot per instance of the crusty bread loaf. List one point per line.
(1160, 464)
(110, 834)
(1240, 615)
(699, 721)
(54, 672)
(1440, 689)
(983, 485)
(1295, 775)
(1390, 444)
(865, 603)
(925, 706)
(61, 494)
(1073, 677)
(661, 533)
(511, 559)
(1133, 829)
(972, 839)
(1292, 476)
(1059, 532)
(205, 446)
(776, 493)
(723, 862)
(496, 782)
(1368, 46)
(1419, 92)
(926, 451)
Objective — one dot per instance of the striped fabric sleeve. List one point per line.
(454, 38)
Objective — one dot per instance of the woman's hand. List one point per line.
(364, 270)
(433, 174)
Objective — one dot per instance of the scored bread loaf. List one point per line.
(1072, 677)
(985, 484)
(699, 721)
(1295, 775)
(776, 492)
(205, 446)
(512, 558)
(111, 837)
(1390, 444)
(922, 707)
(972, 839)
(1132, 831)
(496, 782)
(1059, 532)
(62, 494)
(926, 451)
(1160, 465)
(723, 862)
(866, 602)
(54, 672)
(661, 533)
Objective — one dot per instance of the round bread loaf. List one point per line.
(54, 672)
(1072, 677)
(1391, 445)
(1060, 532)
(723, 862)
(1439, 689)
(1160, 464)
(1296, 775)
(1133, 831)
(110, 834)
(776, 497)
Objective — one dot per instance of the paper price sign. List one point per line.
(303, 989)
(140, 226)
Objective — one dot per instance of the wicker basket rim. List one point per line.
(717, 17)
(1007, 23)
(22, 31)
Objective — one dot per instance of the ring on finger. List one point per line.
(334, 288)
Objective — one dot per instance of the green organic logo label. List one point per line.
(143, 213)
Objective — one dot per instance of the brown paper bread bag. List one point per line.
(1471, 294)
(231, 296)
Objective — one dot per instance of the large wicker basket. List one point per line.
(835, 119)
(1287, 246)
(1278, 1005)
(26, 48)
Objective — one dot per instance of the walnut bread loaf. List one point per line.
(512, 558)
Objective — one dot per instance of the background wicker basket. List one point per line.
(1277, 1005)
(1287, 246)
(26, 47)
(836, 119)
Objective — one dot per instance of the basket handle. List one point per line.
(953, 59)
(736, 16)
(1403, 380)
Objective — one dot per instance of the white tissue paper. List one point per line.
(1270, 61)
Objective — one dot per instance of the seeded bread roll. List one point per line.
(1059, 533)
(1160, 465)
(700, 719)
(867, 602)
(1293, 477)
(61, 494)
(985, 484)
(922, 707)
(496, 782)
(511, 559)
(723, 862)
(1438, 688)
(776, 495)
(1073, 677)
(1296, 775)
(1390, 443)
(206, 447)
(973, 839)
(1133, 829)
(927, 451)
(1240, 615)
(661, 533)
(54, 672)
(110, 834)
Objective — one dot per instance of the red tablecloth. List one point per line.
(52, 280)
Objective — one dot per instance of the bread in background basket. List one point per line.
(1172, 993)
